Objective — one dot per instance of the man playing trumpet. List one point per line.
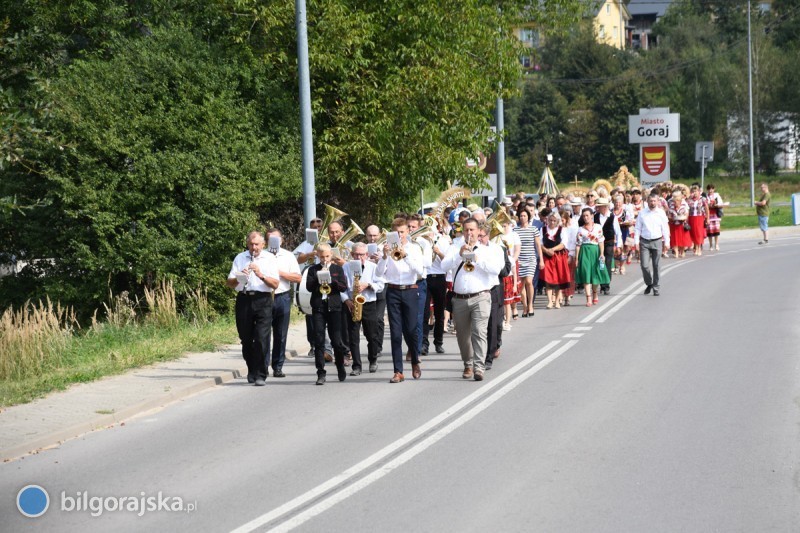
(476, 269)
(400, 267)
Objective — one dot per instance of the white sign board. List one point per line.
(653, 164)
(654, 128)
(699, 153)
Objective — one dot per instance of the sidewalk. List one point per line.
(86, 407)
(89, 406)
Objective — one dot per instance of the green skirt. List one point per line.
(588, 271)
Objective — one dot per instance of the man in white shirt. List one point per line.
(288, 273)
(471, 299)
(254, 275)
(373, 234)
(437, 292)
(612, 235)
(402, 298)
(652, 236)
(415, 223)
(370, 284)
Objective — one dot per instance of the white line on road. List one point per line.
(582, 328)
(381, 454)
(418, 448)
(573, 335)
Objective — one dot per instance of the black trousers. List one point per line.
(403, 306)
(253, 321)
(324, 318)
(380, 313)
(437, 290)
(608, 252)
(281, 314)
(370, 325)
(495, 323)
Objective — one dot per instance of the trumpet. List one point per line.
(469, 257)
(397, 252)
(325, 287)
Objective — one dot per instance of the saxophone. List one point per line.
(358, 299)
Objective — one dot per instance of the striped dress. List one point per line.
(527, 250)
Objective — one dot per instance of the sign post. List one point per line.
(654, 129)
(703, 152)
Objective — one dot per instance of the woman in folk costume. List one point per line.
(591, 270)
(556, 272)
(698, 219)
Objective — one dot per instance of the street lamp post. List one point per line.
(306, 146)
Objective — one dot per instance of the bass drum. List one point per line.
(302, 296)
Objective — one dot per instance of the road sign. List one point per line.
(698, 151)
(653, 163)
(654, 128)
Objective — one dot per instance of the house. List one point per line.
(644, 14)
(610, 23)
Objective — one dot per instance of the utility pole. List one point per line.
(750, 96)
(306, 146)
(501, 154)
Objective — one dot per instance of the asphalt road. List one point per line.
(672, 413)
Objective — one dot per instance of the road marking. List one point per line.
(416, 449)
(582, 328)
(386, 451)
(573, 335)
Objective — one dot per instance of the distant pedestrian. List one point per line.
(714, 216)
(652, 237)
(762, 210)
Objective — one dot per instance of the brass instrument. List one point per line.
(469, 266)
(352, 231)
(325, 288)
(382, 238)
(495, 222)
(397, 252)
(331, 215)
(358, 299)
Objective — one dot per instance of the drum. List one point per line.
(302, 295)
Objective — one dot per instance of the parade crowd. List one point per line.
(464, 270)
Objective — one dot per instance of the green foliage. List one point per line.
(169, 168)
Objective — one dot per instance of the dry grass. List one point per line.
(197, 309)
(162, 305)
(34, 338)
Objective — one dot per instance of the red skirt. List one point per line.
(679, 237)
(698, 231)
(556, 270)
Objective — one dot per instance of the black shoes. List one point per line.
(260, 382)
(655, 291)
(373, 367)
(439, 348)
(488, 365)
(648, 289)
(278, 374)
(424, 350)
(356, 372)
(320, 380)
(606, 291)
(251, 379)
(342, 372)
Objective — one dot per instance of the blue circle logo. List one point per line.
(33, 501)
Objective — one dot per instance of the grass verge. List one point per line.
(110, 350)
(745, 218)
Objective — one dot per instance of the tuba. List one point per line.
(352, 231)
(331, 215)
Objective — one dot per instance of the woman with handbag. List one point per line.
(678, 214)
(698, 219)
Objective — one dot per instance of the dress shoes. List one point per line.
(416, 372)
(260, 382)
(488, 364)
(373, 367)
(648, 289)
(342, 371)
(606, 291)
(397, 378)
(320, 380)
(439, 348)
(408, 356)
(425, 348)
(655, 291)
(251, 378)
(328, 357)
(356, 372)
(467, 373)
(278, 374)
(478, 375)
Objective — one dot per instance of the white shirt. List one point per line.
(305, 248)
(617, 231)
(368, 275)
(652, 224)
(513, 241)
(287, 262)
(488, 264)
(443, 243)
(265, 261)
(427, 255)
(568, 234)
(404, 272)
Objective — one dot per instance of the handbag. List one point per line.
(686, 226)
